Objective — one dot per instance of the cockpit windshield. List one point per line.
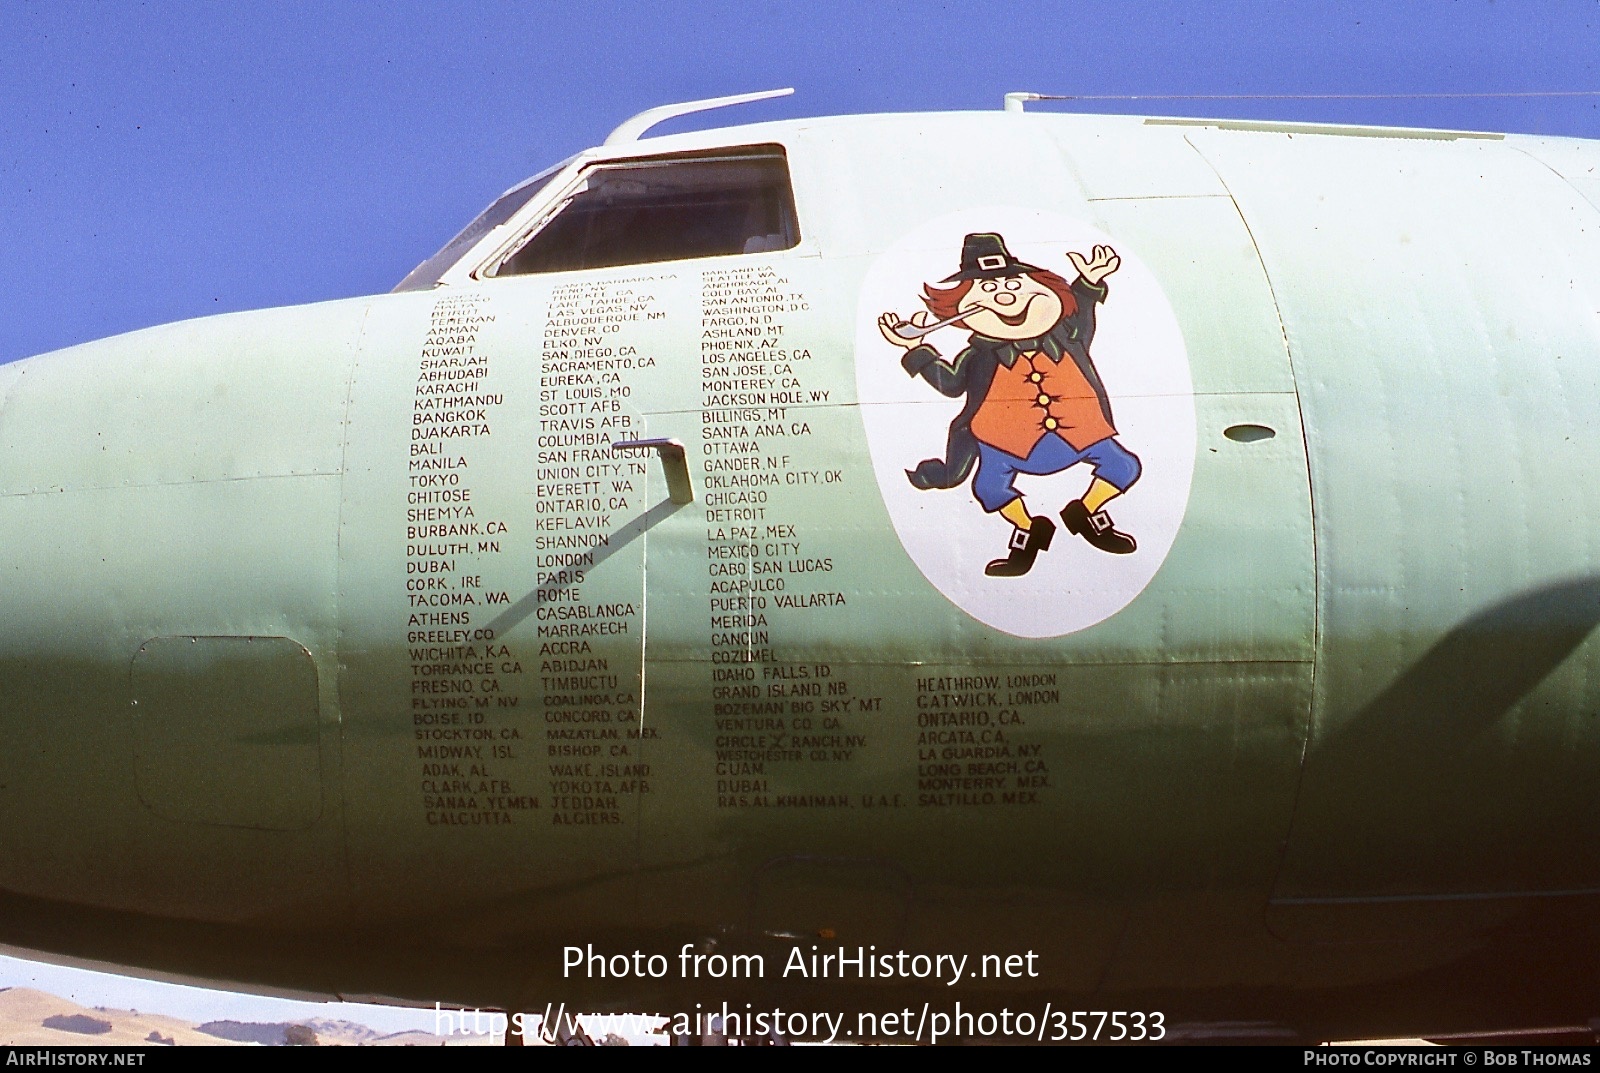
(430, 271)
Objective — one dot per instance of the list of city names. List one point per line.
(547, 729)
(465, 686)
(591, 621)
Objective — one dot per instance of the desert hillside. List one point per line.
(31, 1018)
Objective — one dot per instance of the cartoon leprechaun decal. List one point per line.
(1034, 401)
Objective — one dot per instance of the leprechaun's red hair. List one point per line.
(945, 302)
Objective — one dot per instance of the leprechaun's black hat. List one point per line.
(984, 256)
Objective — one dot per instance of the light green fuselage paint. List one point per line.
(342, 654)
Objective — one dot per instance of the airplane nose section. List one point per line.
(238, 396)
(169, 505)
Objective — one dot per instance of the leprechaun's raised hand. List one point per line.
(1101, 264)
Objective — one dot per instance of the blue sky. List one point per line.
(173, 160)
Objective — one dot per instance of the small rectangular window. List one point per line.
(667, 209)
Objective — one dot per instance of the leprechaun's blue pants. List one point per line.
(1112, 462)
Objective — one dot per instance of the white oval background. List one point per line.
(1138, 350)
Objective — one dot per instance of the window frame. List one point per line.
(463, 250)
(500, 243)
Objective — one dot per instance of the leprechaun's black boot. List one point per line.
(1096, 528)
(1025, 547)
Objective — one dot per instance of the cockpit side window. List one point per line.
(663, 209)
(428, 272)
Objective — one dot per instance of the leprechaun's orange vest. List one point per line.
(1035, 397)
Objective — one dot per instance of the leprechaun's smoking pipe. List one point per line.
(906, 330)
